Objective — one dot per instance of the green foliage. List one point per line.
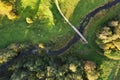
(108, 40)
(90, 69)
(44, 13)
(47, 26)
(110, 70)
(8, 53)
(113, 54)
(92, 51)
(35, 67)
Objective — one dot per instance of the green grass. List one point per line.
(91, 51)
(83, 7)
(48, 25)
(90, 32)
(96, 24)
(80, 10)
(109, 70)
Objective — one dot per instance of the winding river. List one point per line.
(82, 26)
(75, 38)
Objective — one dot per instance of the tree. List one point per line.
(108, 38)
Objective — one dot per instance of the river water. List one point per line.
(75, 38)
(82, 26)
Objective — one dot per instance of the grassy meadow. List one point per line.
(47, 27)
(39, 22)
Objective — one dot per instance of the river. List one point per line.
(75, 38)
(82, 26)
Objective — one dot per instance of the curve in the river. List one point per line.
(82, 26)
(32, 50)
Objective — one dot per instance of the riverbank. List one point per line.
(82, 27)
(32, 66)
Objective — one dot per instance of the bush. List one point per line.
(108, 38)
